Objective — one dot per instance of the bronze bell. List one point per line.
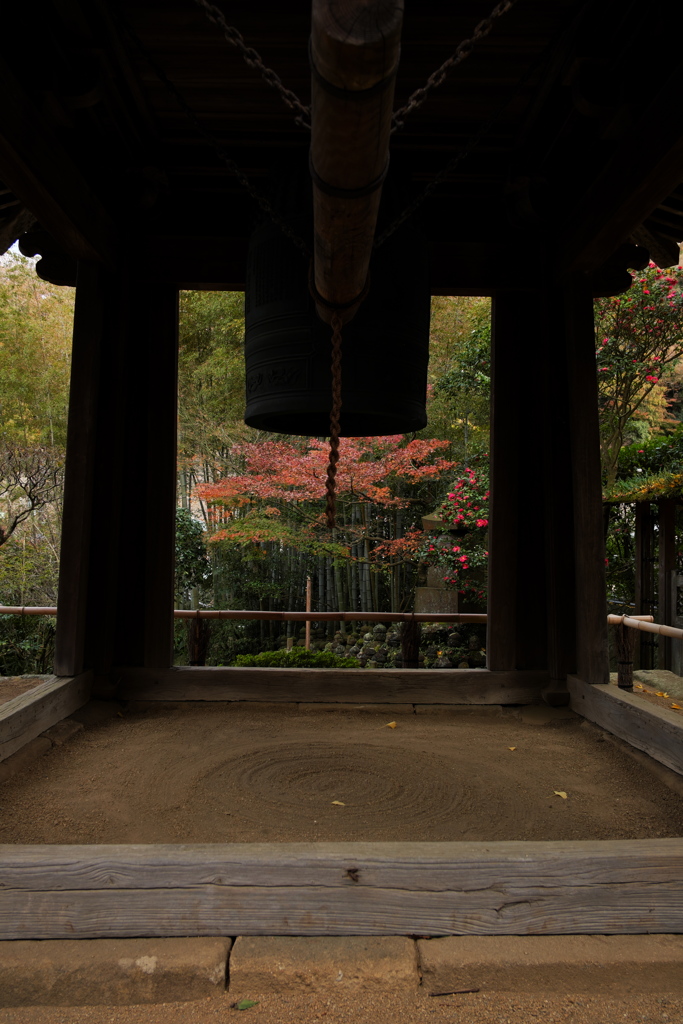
(385, 348)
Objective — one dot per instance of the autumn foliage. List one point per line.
(279, 494)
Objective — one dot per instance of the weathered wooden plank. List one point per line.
(26, 716)
(369, 686)
(429, 866)
(606, 910)
(657, 731)
(493, 888)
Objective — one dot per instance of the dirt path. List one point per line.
(494, 1008)
(217, 772)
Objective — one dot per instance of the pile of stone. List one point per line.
(380, 647)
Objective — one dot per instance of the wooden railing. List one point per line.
(625, 625)
(276, 616)
(626, 641)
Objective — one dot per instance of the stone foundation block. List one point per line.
(115, 972)
(265, 964)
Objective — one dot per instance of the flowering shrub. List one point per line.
(466, 506)
(639, 337)
(464, 562)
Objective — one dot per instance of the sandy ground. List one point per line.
(219, 772)
(496, 1008)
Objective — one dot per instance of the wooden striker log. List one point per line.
(355, 46)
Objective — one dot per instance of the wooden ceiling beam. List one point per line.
(35, 165)
(643, 172)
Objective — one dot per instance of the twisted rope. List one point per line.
(335, 414)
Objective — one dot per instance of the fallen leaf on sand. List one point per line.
(390, 725)
(245, 1004)
(512, 748)
(560, 792)
(637, 686)
(339, 803)
(661, 693)
(676, 707)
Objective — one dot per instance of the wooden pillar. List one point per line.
(120, 485)
(78, 511)
(517, 599)
(546, 573)
(558, 494)
(592, 663)
(667, 565)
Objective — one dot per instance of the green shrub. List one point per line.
(298, 657)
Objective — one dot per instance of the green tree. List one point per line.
(210, 386)
(460, 375)
(36, 320)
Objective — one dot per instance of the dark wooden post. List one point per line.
(592, 664)
(116, 583)
(78, 511)
(546, 572)
(667, 565)
(558, 494)
(517, 597)
(146, 562)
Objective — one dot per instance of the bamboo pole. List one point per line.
(645, 623)
(308, 610)
(282, 616)
(26, 610)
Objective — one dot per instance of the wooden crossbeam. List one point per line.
(646, 168)
(501, 888)
(37, 168)
(348, 685)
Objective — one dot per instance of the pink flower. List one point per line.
(482, 522)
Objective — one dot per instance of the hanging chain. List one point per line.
(444, 173)
(461, 53)
(254, 60)
(440, 176)
(335, 425)
(230, 164)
